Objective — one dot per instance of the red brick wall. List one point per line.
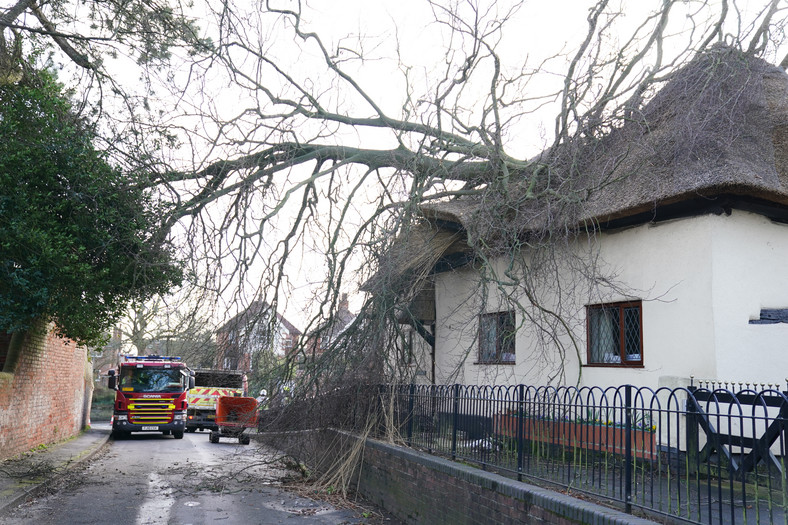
(44, 401)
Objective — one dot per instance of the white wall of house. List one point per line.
(258, 337)
(750, 273)
(409, 359)
(455, 329)
(701, 280)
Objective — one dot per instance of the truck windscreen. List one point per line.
(150, 379)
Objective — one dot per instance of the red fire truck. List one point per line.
(150, 395)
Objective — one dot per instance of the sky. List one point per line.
(397, 36)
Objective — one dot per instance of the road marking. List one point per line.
(158, 502)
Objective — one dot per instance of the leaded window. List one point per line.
(615, 334)
(496, 338)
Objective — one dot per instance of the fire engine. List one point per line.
(150, 395)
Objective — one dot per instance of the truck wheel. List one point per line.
(177, 434)
(213, 437)
(243, 439)
(117, 435)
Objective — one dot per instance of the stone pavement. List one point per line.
(28, 475)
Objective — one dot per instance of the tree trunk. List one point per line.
(14, 351)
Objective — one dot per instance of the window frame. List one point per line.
(621, 306)
(405, 353)
(501, 320)
(231, 362)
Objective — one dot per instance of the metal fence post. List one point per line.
(783, 416)
(693, 436)
(410, 412)
(628, 448)
(520, 420)
(455, 421)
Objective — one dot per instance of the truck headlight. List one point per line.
(177, 417)
(122, 417)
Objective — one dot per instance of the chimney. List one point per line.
(343, 304)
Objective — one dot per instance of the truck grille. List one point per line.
(151, 411)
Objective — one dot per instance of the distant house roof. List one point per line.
(254, 312)
(288, 325)
(339, 320)
(718, 127)
(343, 316)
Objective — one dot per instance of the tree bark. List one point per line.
(15, 347)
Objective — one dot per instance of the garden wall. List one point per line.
(47, 397)
(420, 488)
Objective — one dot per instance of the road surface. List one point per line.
(155, 479)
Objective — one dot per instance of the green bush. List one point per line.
(103, 396)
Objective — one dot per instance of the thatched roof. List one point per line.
(412, 255)
(409, 261)
(719, 126)
(714, 137)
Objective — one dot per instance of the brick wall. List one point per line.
(420, 488)
(47, 398)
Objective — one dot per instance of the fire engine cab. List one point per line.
(150, 395)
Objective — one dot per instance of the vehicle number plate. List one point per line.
(150, 428)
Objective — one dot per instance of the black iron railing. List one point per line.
(693, 454)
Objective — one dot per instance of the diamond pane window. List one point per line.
(496, 338)
(615, 335)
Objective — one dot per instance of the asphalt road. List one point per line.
(155, 479)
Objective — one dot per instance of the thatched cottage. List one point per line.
(675, 264)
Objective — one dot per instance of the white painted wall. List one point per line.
(701, 279)
(455, 327)
(751, 272)
(669, 267)
(399, 368)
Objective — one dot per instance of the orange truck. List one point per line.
(233, 416)
(209, 385)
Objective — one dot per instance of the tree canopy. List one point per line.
(293, 142)
(78, 237)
